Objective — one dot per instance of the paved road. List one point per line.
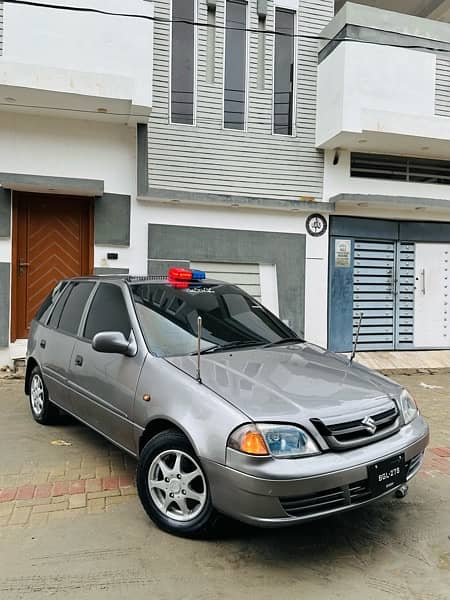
(72, 527)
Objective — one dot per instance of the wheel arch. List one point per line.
(31, 363)
(157, 425)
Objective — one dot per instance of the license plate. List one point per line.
(387, 474)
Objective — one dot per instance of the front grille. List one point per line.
(351, 434)
(413, 465)
(321, 501)
(339, 497)
(327, 500)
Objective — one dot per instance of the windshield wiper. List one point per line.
(288, 340)
(230, 346)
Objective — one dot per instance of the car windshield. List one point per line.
(231, 318)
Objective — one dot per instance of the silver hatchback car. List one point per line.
(227, 411)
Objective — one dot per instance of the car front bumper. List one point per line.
(274, 492)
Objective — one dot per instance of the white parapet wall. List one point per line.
(80, 53)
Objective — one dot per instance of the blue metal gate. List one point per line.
(377, 282)
(383, 292)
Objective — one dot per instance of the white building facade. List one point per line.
(73, 88)
(132, 144)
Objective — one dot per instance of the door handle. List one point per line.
(22, 265)
(78, 360)
(424, 290)
(392, 282)
(43, 343)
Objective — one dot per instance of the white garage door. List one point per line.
(246, 276)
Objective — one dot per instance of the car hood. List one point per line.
(294, 382)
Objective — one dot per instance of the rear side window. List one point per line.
(108, 312)
(74, 306)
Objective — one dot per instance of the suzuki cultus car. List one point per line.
(227, 411)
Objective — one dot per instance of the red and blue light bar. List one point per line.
(183, 277)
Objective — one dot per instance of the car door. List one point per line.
(56, 341)
(104, 384)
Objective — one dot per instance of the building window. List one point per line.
(283, 84)
(235, 65)
(182, 81)
(400, 168)
(211, 44)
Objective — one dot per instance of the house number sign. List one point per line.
(316, 225)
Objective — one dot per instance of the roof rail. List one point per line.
(133, 278)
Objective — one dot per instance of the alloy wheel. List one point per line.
(177, 485)
(37, 394)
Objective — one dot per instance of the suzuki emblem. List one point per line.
(369, 424)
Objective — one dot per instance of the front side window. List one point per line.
(183, 62)
(74, 307)
(235, 65)
(168, 318)
(283, 84)
(108, 312)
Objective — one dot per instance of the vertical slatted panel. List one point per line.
(373, 294)
(246, 276)
(1, 28)
(405, 295)
(443, 87)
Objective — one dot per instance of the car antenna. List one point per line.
(355, 343)
(199, 339)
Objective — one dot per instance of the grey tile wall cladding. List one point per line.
(112, 220)
(207, 158)
(168, 243)
(443, 87)
(4, 304)
(5, 213)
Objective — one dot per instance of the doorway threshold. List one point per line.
(18, 349)
(405, 362)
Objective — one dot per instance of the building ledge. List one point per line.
(175, 197)
(37, 89)
(392, 202)
(378, 19)
(20, 182)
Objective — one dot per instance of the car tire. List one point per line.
(43, 411)
(173, 487)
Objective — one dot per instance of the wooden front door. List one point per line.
(52, 240)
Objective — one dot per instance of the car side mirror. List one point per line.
(112, 342)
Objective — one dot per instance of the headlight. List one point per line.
(281, 441)
(408, 407)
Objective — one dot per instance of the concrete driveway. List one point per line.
(72, 527)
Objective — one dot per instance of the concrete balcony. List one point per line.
(375, 94)
(83, 65)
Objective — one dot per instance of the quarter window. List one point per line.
(283, 85)
(235, 65)
(183, 62)
(74, 307)
(56, 314)
(108, 312)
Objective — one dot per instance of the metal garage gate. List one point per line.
(383, 292)
(246, 276)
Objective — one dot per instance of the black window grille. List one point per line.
(400, 168)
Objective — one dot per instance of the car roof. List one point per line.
(134, 279)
